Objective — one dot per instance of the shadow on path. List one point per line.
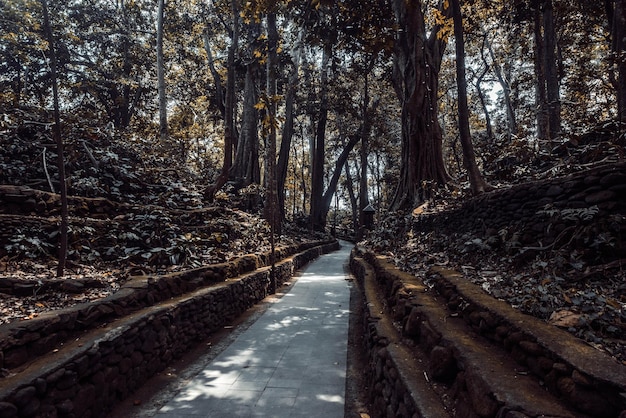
(291, 362)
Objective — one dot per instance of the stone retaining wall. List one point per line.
(571, 369)
(86, 376)
(386, 389)
(540, 211)
(22, 200)
(583, 378)
(21, 341)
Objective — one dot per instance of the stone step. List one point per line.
(490, 376)
(480, 361)
(582, 375)
(395, 363)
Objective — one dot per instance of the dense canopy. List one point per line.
(303, 112)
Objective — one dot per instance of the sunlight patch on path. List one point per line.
(290, 363)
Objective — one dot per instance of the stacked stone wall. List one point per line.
(535, 210)
(88, 374)
(582, 377)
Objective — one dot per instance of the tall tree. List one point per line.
(271, 204)
(417, 61)
(111, 61)
(552, 74)
(163, 130)
(616, 11)
(327, 197)
(477, 183)
(24, 79)
(352, 196)
(483, 100)
(229, 106)
(365, 131)
(546, 71)
(288, 126)
(245, 169)
(56, 130)
(541, 98)
(362, 34)
(318, 146)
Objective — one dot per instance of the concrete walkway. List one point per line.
(290, 363)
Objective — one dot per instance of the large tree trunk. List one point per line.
(163, 130)
(541, 101)
(546, 72)
(305, 162)
(619, 46)
(285, 142)
(352, 196)
(271, 205)
(365, 133)
(417, 61)
(552, 74)
(477, 183)
(318, 151)
(288, 126)
(366, 128)
(56, 131)
(245, 169)
(616, 11)
(229, 109)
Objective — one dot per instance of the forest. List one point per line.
(151, 136)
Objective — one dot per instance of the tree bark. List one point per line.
(541, 101)
(288, 126)
(229, 109)
(552, 74)
(318, 148)
(616, 12)
(285, 142)
(352, 196)
(365, 132)
(163, 129)
(56, 131)
(270, 162)
(246, 169)
(417, 60)
(477, 183)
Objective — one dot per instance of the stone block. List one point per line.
(24, 396)
(442, 364)
(600, 196)
(481, 398)
(412, 325)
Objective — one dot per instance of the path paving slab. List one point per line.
(290, 363)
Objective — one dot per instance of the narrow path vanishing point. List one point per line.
(291, 362)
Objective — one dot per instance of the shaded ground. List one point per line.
(38, 290)
(164, 386)
(552, 284)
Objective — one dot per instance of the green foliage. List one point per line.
(107, 75)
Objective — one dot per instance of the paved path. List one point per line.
(290, 363)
